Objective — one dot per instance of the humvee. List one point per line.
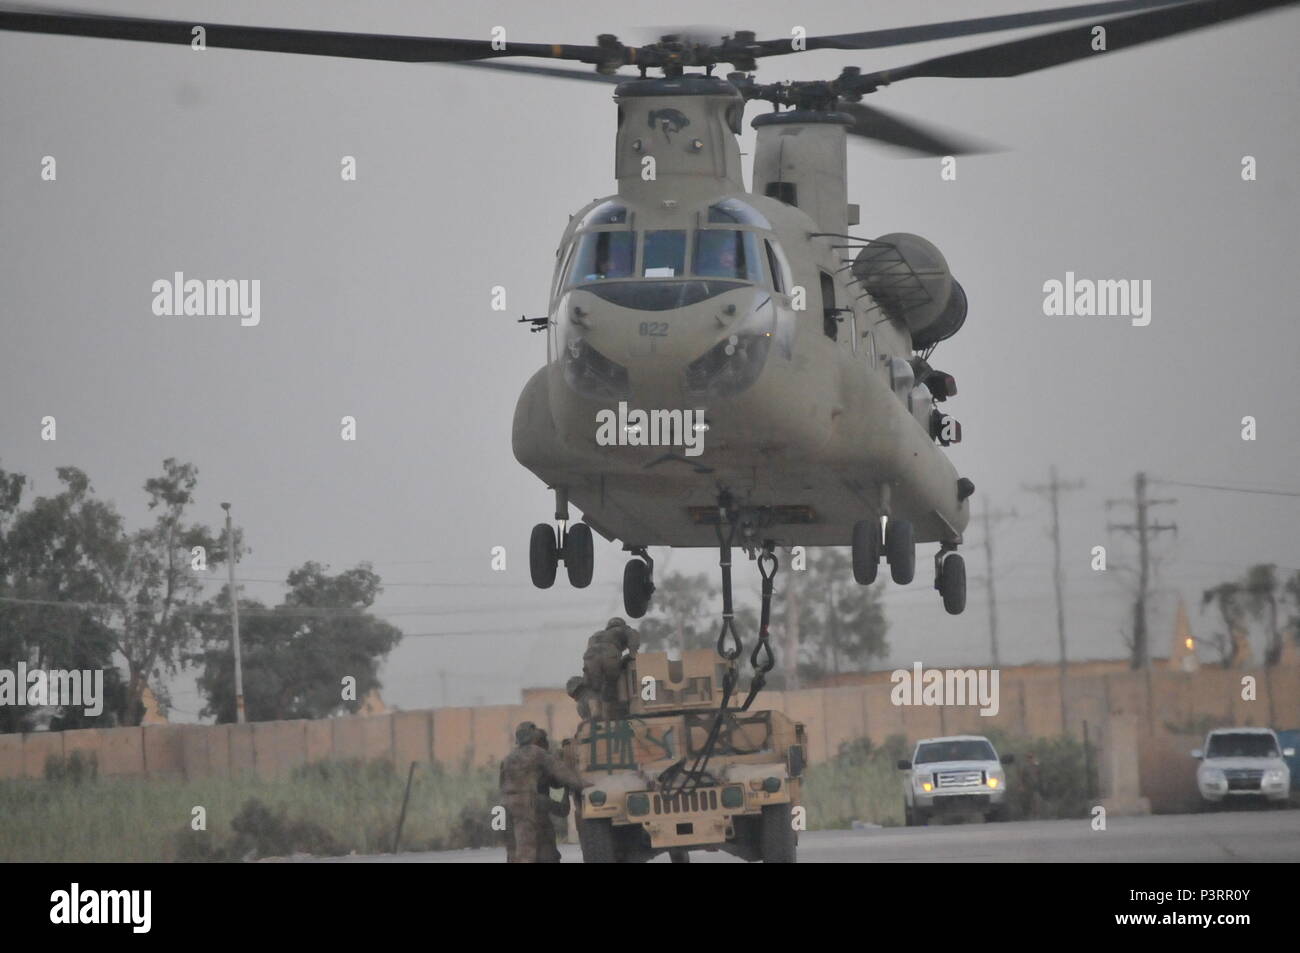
(643, 802)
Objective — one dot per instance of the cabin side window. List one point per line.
(830, 311)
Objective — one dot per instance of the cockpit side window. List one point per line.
(728, 253)
(665, 253)
(778, 266)
(603, 255)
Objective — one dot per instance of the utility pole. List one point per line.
(234, 617)
(1143, 528)
(1052, 490)
(989, 519)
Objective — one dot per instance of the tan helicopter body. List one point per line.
(810, 433)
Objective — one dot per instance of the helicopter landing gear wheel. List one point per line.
(638, 586)
(543, 556)
(579, 555)
(950, 580)
(866, 551)
(900, 551)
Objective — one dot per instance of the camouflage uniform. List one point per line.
(602, 666)
(525, 773)
(580, 693)
(548, 851)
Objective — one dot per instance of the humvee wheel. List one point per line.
(908, 819)
(777, 838)
(579, 556)
(679, 855)
(866, 551)
(900, 551)
(596, 838)
(542, 556)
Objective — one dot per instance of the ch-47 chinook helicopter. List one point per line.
(725, 361)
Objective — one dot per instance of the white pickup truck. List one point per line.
(957, 774)
(1243, 763)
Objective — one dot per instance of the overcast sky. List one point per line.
(375, 303)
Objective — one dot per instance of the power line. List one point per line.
(1229, 489)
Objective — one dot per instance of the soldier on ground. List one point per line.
(526, 771)
(547, 808)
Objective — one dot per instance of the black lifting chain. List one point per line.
(729, 652)
(767, 567)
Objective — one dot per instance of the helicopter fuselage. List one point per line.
(703, 338)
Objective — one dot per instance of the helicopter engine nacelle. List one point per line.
(909, 278)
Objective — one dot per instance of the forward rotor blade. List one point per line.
(557, 72)
(366, 46)
(881, 126)
(900, 36)
(1066, 46)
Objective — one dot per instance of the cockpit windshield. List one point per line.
(731, 242)
(665, 253)
(603, 255)
(724, 253)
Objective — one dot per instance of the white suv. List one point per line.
(1243, 763)
(961, 773)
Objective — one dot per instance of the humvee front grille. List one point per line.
(686, 802)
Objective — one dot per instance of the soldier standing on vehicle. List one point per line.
(608, 652)
(523, 773)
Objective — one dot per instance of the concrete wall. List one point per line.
(1170, 709)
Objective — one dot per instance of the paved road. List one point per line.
(1231, 836)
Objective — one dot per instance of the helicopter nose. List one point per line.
(666, 341)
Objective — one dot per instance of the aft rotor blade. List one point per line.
(900, 36)
(365, 46)
(1075, 43)
(881, 126)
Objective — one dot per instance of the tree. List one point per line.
(1261, 590)
(296, 655)
(841, 624)
(681, 613)
(1227, 597)
(149, 578)
(53, 614)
